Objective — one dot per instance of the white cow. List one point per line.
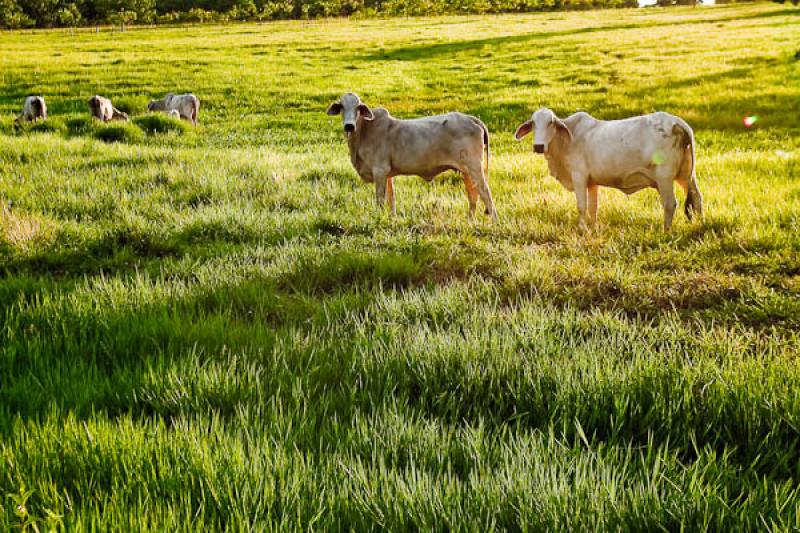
(632, 154)
(102, 109)
(187, 106)
(382, 147)
(33, 109)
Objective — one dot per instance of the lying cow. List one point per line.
(187, 106)
(101, 109)
(382, 147)
(632, 154)
(33, 109)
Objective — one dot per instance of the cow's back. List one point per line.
(611, 149)
(428, 145)
(34, 107)
(423, 146)
(441, 132)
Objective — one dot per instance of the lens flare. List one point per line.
(658, 158)
(749, 120)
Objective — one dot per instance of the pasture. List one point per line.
(214, 327)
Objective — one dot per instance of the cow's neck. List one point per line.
(354, 143)
(556, 156)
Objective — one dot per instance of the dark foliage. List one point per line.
(54, 13)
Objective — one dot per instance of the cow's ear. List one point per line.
(524, 129)
(335, 108)
(365, 111)
(562, 126)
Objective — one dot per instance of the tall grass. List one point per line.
(215, 329)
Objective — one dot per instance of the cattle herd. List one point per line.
(582, 152)
(182, 106)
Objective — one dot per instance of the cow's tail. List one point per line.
(486, 149)
(688, 172)
(195, 110)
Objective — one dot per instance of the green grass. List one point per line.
(118, 132)
(154, 123)
(219, 331)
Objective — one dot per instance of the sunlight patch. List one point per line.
(16, 230)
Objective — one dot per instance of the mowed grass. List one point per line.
(215, 328)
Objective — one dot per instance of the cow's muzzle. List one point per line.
(538, 148)
(349, 128)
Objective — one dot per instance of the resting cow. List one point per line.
(101, 109)
(33, 109)
(382, 147)
(187, 106)
(632, 154)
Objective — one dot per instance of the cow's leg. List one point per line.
(593, 189)
(380, 190)
(668, 201)
(580, 183)
(380, 176)
(475, 173)
(689, 199)
(472, 194)
(390, 194)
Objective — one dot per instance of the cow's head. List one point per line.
(545, 125)
(159, 105)
(351, 109)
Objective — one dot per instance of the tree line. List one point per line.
(65, 13)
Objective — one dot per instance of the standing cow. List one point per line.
(101, 109)
(187, 106)
(382, 147)
(632, 154)
(33, 109)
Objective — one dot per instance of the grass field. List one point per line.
(216, 328)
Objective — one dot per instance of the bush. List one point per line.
(119, 132)
(47, 13)
(12, 16)
(46, 126)
(154, 123)
(79, 126)
(132, 105)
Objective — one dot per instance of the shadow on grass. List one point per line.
(432, 50)
(127, 248)
(252, 344)
(777, 112)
